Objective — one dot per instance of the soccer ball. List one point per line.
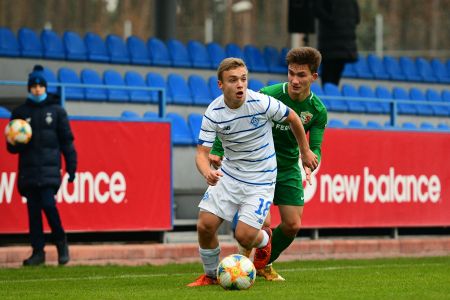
(236, 272)
(18, 131)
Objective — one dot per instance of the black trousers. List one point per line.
(332, 71)
(38, 200)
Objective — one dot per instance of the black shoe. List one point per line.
(63, 252)
(36, 259)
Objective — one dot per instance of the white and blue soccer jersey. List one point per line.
(246, 135)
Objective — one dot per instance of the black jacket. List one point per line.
(337, 28)
(40, 159)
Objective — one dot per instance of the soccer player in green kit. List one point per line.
(303, 64)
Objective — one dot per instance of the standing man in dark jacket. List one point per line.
(40, 164)
(337, 36)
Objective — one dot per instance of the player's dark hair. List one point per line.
(229, 63)
(305, 56)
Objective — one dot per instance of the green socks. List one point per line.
(279, 242)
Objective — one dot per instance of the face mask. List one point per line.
(37, 99)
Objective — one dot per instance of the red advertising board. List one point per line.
(379, 179)
(123, 180)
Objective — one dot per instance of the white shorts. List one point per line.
(228, 196)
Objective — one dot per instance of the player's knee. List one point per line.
(244, 239)
(205, 228)
(291, 228)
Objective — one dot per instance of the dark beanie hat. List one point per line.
(37, 77)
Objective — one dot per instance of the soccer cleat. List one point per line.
(243, 251)
(203, 280)
(269, 274)
(262, 255)
(37, 258)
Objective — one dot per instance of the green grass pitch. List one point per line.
(401, 278)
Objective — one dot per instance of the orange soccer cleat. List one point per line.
(203, 280)
(262, 255)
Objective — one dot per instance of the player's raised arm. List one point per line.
(203, 165)
(309, 159)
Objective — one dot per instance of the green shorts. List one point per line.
(289, 188)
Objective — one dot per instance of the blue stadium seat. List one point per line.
(349, 70)
(158, 52)
(283, 53)
(440, 71)
(409, 69)
(273, 81)
(150, 115)
(255, 84)
(29, 43)
(337, 104)
(254, 59)
(445, 94)
(178, 54)
(52, 45)
(438, 110)
(199, 90)
(117, 49)
(349, 90)
(74, 46)
(422, 109)
(373, 125)
(443, 126)
(317, 89)
(8, 43)
(393, 68)
(400, 93)
(156, 80)
(195, 123)
(424, 70)
(376, 67)
(362, 69)
(181, 135)
(216, 53)
(178, 89)
(112, 77)
(409, 125)
(335, 123)
(383, 93)
(4, 113)
(213, 87)
(355, 123)
(96, 48)
(273, 60)
(130, 115)
(89, 76)
(67, 75)
(233, 50)
(199, 55)
(138, 51)
(372, 106)
(51, 78)
(427, 125)
(133, 78)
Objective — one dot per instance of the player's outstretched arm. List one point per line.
(203, 166)
(309, 159)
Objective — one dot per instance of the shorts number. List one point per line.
(263, 208)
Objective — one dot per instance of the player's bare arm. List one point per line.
(203, 166)
(309, 159)
(215, 161)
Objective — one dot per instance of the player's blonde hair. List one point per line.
(229, 63)
(305, 56)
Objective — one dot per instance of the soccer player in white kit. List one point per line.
(245, 183)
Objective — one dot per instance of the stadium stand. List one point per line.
(112, 77)
(393, 68)
(51, 79)
(130, 115)
(440, 70)
(156, 80)
(233, 50)
(354, 123)
(400, 93)
(255, 84)
(195, 123)
(29, 43)
(200, 92)
(273, 60)
(181, 134)
(373, 107)
(117, 49)
(134, 79)
(335, 123)
(89, 76)
(8, 43)
(67, 75)
(178, 89)
(409, 69)
(96, 48)
(376, 67)
(216, 53)
(4, 113)
(178, 54)
(74, 46)
(427, 125)
(213, 87)
(422, 109)
(336, 103)
(425, 71)
(138, 51)
(150, 115)
(158, 52)
(254, 59)
(409, 125)
(354, 106)
(362, 69)
(52, 45)
(373, 125)
(199, 55)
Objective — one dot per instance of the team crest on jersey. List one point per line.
(306, 117)
(49, 118)
(254, 121)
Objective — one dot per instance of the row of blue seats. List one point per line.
(197, 55)
(371, 124)
(135, 51)
(346, 99)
